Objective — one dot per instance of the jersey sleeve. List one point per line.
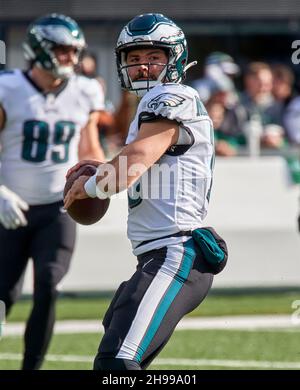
(95, 94)
(181, 104)
(172, 105)
(7, 82)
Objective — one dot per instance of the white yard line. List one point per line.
(246, 322)
(51, 358)
(227, 363)
(250, 323)
(171, 362)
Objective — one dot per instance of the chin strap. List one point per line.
(190, 65)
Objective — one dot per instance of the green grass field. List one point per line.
(187, 349)
(217, 304)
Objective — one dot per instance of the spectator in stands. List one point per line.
(291, 120)
(217, 90)
(217, 66)
(282, 91)
(283, 82)
(228, 118)
(290, 104)
(259, 104)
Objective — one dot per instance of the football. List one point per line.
(90, 210)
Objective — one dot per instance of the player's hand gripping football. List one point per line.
(81, 163)
(11, 209)
(77, 191)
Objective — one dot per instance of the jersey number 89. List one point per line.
(36, 140)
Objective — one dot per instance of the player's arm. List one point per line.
(89, 145)
(153, 140)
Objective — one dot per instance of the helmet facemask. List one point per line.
(169, 72)
(152, 31)
(140, 87)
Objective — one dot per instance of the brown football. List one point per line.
(90, 210)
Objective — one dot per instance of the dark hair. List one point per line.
(283, 73)
(255, 67)
(89, 54)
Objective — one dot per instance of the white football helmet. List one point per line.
(152, 30)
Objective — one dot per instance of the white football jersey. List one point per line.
(42, 131)
(173, 195)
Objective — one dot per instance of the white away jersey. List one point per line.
(41, 135)
(173, 195)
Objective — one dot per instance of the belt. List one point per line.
(179, 234)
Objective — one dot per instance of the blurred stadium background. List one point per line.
(254, 30)
(254, 203)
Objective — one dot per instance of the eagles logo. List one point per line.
(166, 100)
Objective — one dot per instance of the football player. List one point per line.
(171, 129)
(48, 118)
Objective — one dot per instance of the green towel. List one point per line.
(208, 245)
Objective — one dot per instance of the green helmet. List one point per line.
(47, 32)
(152, 30)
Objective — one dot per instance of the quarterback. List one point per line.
(171, 129)
(48, 118)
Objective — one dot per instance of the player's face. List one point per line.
(146, 63)
(66, 55)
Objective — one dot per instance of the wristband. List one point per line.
(90, 186)
(93, 190)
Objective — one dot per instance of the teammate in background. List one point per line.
(88, 68)
(171, 129)
(48, 118)
(114, 122)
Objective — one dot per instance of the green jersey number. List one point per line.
(134, 195)
(201, 110)
(36, 140)
(212, 162)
